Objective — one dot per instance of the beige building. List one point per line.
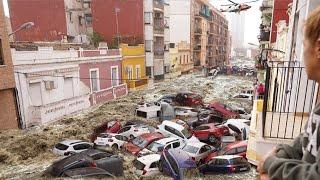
(184, 57)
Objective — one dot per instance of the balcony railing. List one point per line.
(288, 100)
(158, 4)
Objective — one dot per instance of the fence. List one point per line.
(288, 101)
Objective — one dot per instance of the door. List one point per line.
(114, 76)
(68, 88)
(35, 94)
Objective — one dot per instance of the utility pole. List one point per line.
(117, 10)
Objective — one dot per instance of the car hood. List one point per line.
(132, 148)
(193, 139)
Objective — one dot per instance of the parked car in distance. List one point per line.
(149, 110)
(185, 112)
(224, 110)
(159, 145)
(107, 127)
(211, 132)
(236, 148)
(133, 131)
(225, 164)
(115, 141)
(198, 151)
(241, 111)
(68, 147)
(104, 163)
(243, 96)
(168, 98)
(189, 99)
(147, 165)
(239, 126)
(141, 142)
(176, 163)
(169, 128)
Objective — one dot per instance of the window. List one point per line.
(173, 164)
(153, 165)
(88, 19)
(176, 132)
(81, 146)
(35, 93)
(80, 20)
(70, 17)
(94, 80)
(187, 58)
(124, 129)
(1, 54)
(201, 128)
(68, 87)
(148, 45)
(61, 146)
(147, 17)
(114, 76)
(138, 72)
(149, 71)
(231, 152)
(172, 45)
(176, 144)
(180, 59)
(129, 72)
(242, 149)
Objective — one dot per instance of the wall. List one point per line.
(180, 21)
(130, 18)
(279, 13)
(47, 15)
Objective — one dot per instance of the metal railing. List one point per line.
(288, 100)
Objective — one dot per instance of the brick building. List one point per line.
(8, 110)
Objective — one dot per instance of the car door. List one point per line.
(125, 131)
(201, 132)
(81, 147)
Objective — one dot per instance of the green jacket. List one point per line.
(301, 160)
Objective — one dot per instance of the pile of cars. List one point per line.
(190, 143)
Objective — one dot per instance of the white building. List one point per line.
(180, 21)
(237, 30)
(157, 37)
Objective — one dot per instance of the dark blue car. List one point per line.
(177, 164)
(225, 164)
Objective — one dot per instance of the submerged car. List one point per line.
(210, 132)
(115, 141)
(141, 142)
(159, 145)
(225, 164)
(147, 165)
(133, 131)
(96, 163)
(236, 148)
(107, 127)
(198, 151)
(189, 99)
(67, 147)
(176, 163)
(224, 110)
(240, 127)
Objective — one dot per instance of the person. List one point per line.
(260, 90)
(301, 160)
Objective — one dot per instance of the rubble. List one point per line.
(27, 153)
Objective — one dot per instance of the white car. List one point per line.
(133, 131)
(147, 165)
(115, 141)
(241, 111)
(165, 143)
(241, 125)
(243, 96)
(69, 147)
(198, 151)
(169, 128)
(184, 112)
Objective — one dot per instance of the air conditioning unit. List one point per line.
(49, 85)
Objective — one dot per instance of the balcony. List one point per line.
(264, 36)
(186, 67)
(198, 31)
(288, 100)
(158, 5)
(158, 54)
(197, 48)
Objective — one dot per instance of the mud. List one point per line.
(25, 154)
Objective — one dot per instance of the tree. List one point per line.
(96, 38)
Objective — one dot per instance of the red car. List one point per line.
(224, 110)
(107, 127)
(210, 132)
(141, 142)
(189, 99)
(236, 148)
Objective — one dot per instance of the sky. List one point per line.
(252, 17)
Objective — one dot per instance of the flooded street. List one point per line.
(27, 153)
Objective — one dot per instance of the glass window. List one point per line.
(239, 160)
(172, 45)
(94, 81)
(176, 144)
(173, 164)
(138, 165)
(81, 146)
(154, 165)
(140, 142)
(114, 76)
(176, 132)
(154, 146)
(186, 133)
(124, 129)
(230, 152)
(138, 72)
(147, 17)
(148, 45)
(61, 146)
(201, 128)
(191, 149)
(241, 149)
(88, 19)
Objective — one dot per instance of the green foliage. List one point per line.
(96, 38)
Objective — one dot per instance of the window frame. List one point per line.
(117, 76)
(97, 78)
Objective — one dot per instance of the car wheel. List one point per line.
(212, 139)
(114, 147)
(160, 166)
(131, 136)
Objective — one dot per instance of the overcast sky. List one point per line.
(252, 17)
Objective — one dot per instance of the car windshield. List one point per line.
(238, 160)
(61, 146)
(138, 165)
(186, 133)
(140, 142)
(191, 149)
(154, 147)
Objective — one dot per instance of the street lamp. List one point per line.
(23, 26)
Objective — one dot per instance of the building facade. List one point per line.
(266, 17)
(175, 69)
(69, 20)
(237, 30)
(133, 66)
(54, 83)
(184, 57)
(9, 118)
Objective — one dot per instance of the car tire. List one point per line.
(160, 166)
(131, 136)
(212, 139)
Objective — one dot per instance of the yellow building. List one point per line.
(133, 66)
(175, 69)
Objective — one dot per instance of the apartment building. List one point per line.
(58, 20)
(266, 9)
(9, 118)
(184, 57)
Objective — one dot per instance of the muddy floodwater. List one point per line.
(25, 154)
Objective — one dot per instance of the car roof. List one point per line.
(197, 144)
(228, 157)
(221, 108)
(166, 140)
(173, 125)
(149, 158)
(236, 144)
(71, 142)
(151, 136)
